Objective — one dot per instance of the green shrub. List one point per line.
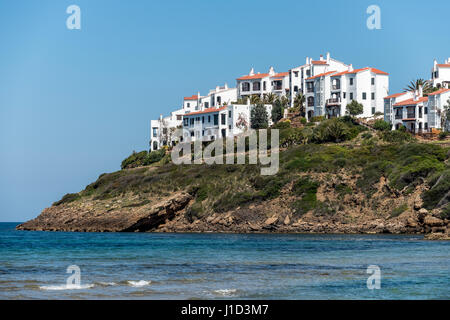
(317, 119)
(382, 125)
(399, 210)
(366, 135)
(70, 197)
(307, 190)
(396, 136)
(445, 212)
(443, 135)
(282, 125)
(439, 187)
(142, 158)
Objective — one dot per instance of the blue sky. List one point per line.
(74, 103)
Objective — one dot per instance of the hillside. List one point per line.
(368, 183)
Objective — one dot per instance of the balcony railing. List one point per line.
(278, 88)
(310, 89)
(310, 103)
(398, 116)
(336, 87)
(410, 115)
(333, 101)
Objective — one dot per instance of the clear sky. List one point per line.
(74, 103)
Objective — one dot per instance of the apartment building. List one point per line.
(390, 101)
(311, 68)
(260, 84)
(437, 101)
(440, 74)
(412, 113)
(218, 122)
(328, 93)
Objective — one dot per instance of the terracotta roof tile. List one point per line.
(411, 102)
(209, 110)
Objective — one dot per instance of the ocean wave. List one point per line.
(138, 284)
(67, 287)
(107, 284)
(225, 292)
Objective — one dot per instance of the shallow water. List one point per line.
(219, 266)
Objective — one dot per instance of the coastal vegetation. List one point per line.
(333, 149)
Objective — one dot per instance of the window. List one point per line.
(229, 113)
(308, 73)
(198, 119)
(310, 101)
(426, 125)
(351, 95)
(192, 133)
(186, 121)
(188, 105)
(206, 104)
(216, 119)
(264, 85)
(373, 95)
(344, 94)
(155, 145)
(373, 110)
(164, 130)
(155, 132)
(179, 117)
(209, 118)
(310, 86)
(245, 86)
(364, 96)
(351, 81)
(219, 101)
(223, 118)
(295, 88)
(425, 110)
(192, 121)
(256, 86)
(296, 74)
(373, 81)
(203, 119)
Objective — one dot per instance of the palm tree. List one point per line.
(255, 99)
(284, 101)
(299, 103)
(426, 86)
(269, 98)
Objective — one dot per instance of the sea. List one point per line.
(63, 265)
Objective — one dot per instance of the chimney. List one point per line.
(271, 71)
(328, 57)
(420, 91)
(321, 57)
(226, 86)
(307, 60)
(434, 64)
(350, 68)
(252, 72)
(160, 117)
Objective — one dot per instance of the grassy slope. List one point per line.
(220, 188)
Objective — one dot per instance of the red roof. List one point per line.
(444, 65)
(209, 110)
(193, 97)
(281, 75)
(374, 70)
(319, 62)
(439, 92)
(411, 102)
(395, 95)
(321, 75)
(255, 76)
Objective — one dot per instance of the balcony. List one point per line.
(310, 89)
(336, 87)
(333, 101)
(310, 103)
(278, 88)
(398, 116)
(411, 115)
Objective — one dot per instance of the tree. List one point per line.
(277, 111)
(255, 99)
(299, 103)
(259, 118)
(445, 117)
(354, 108)
(269, 98)
(415, 84)
(381, 125)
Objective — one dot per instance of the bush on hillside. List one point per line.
(143, 158)
(396, 136)
(382, 125)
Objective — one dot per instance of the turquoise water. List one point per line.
(220, 266)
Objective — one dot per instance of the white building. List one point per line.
(260, 84)
(440, 74)
(161, 130)
(328, 93)
(389, 103)
(298, 75)
(436, 106)
(412, 113)
(218, 122)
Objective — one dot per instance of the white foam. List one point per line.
(107, 283)
(140, 283)
(225, 292)
(67, 287)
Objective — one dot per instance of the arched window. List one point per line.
(245, 86)
(310, 101)
(256, 86)
(155, 145)
(336, 84)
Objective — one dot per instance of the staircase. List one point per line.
(295, 119)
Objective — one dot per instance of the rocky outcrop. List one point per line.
(91, 217)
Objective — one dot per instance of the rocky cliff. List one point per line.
(347, 188)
